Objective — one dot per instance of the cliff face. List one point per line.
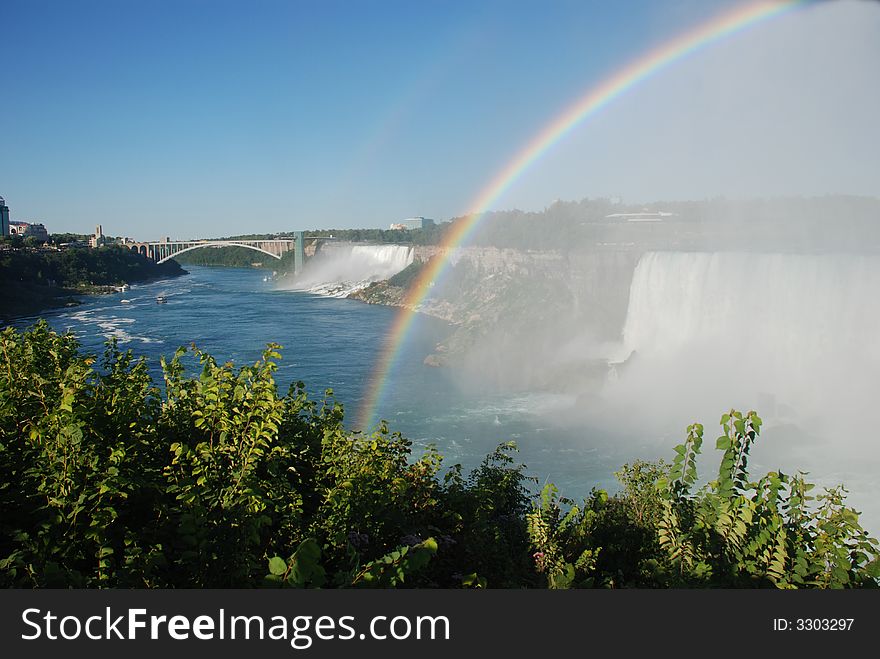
(513, 309)
(591, 284)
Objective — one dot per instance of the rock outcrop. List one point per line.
(516, 305)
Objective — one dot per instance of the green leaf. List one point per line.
(277, 565)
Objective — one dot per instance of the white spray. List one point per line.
(339, 270)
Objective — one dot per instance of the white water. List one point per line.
(795, 337)
(348, 268)
(791, 309)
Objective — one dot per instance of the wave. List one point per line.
(109, 326)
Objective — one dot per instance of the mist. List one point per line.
(337, 270)
(795, 336)
(635, 344)
(786, 107)
(763, 298)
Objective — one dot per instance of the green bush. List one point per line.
(731, 533)
(735, 532)
(109, 480)
(215, 479)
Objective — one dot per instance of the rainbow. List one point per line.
(586, 106)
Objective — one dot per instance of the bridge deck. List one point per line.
(164, 250)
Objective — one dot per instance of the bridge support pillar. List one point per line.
(299, 252)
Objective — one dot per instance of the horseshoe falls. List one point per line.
(790, 309)
(794, 336)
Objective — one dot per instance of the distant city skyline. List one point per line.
(194, 119)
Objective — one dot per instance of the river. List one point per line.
(331, 343)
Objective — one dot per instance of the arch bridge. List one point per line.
(165, 250)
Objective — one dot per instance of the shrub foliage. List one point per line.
(215, 479)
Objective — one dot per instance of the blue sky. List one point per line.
(204, 118)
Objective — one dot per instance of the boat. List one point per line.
(125, 301)
(160, 299)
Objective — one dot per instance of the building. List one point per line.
(99, 238)
(411, 223)
(27, 229)
(4, 218)
(24, 229)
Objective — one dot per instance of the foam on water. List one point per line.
(349, 268)
(108, 326)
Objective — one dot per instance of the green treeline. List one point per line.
(431, 235)
(833, 222)
(242, 257)
(79, 267)
(217, 479)
(32, 279)
(805, 224)
(230, 257)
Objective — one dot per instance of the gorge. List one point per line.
(639, 341)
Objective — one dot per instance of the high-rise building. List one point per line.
(4, 218)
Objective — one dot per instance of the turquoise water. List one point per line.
(332, 344)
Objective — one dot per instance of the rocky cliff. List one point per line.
(514, 309)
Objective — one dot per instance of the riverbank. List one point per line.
(33, 281)
(28, 299)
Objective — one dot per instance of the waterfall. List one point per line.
(795, 336)
(788, 308)
(342, 269)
